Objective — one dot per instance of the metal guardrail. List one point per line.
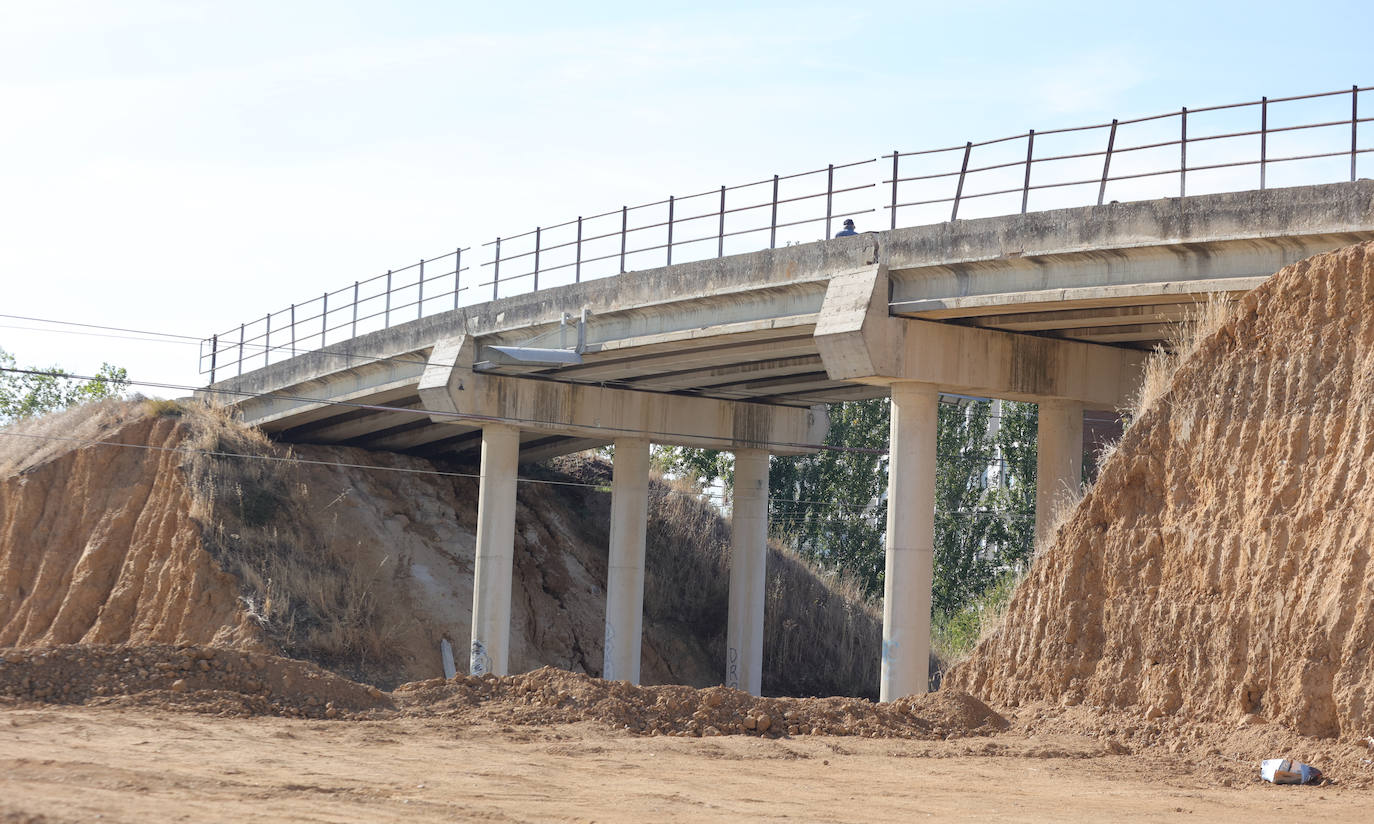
(607, 243)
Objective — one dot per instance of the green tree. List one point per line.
(702, 466)
(832, 506)
(33, 391)
(985, 499)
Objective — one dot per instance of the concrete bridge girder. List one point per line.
(461, 395)
(859, 341)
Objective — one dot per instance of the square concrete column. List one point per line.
(1058, 461)
(910, 548)
(491, 583)
(625, 567)
(748, 560)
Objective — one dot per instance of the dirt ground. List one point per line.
(86, 763)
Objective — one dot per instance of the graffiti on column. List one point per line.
(479, 663)
(732, 668)
(609, 674)
(889, 654)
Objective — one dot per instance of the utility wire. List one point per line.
(721, 496)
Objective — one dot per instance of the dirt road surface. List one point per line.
(66, 764)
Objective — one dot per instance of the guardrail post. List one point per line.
(355, 310)
(959, 189)
(1264, 137)
(829, 195)
(895, 155)
(1107, 163)
(624, 224)
(1025, 187)
(420, 301)
(720, 234)
(538, 241)
(386, 316)
(773, 225)
(670, 230)
(457, 273)
(1183, 154)
(1354, 127)
(324, 320)
(496, 271)
(292, 350)
(577, 265)
(240, 363)
(214, 350)
(267, 341)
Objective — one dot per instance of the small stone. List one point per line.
(1250, 719)
(750, 722)
(1153, 712)
(374, 692)
(180, 685)
(710, 731)
(763, 723)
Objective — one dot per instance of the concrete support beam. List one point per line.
(859, 341)
(625, 567)
(491, 587)
(910, 547)
(460, 395)
(1058, 461)
(748, 561)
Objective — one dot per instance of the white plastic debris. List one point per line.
(1287, 771)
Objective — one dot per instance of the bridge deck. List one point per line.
(741, 328)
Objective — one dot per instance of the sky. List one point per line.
(182, 167)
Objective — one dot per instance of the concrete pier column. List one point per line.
(491, 584)
(910, 545)
(748, 559)
(1058, 460)
(625, 567)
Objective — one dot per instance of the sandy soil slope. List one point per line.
(1220, 568)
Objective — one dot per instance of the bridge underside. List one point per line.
(742, 353)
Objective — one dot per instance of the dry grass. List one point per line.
(314, 597)
(1206, 318)
(32, 442)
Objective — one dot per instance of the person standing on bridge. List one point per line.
(848, 230)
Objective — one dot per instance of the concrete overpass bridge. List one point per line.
(743, 352)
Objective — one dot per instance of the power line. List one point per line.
(98, 326)
(784, 519)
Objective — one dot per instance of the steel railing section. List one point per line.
(702, 225)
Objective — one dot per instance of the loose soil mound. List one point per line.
(230, 682)
(207, 679)
(550, 696)
(1220, 569)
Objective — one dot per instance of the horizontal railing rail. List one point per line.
(650, 234)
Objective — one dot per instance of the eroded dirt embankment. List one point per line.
(1220, 568)
(160, 522)
(98, 544)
